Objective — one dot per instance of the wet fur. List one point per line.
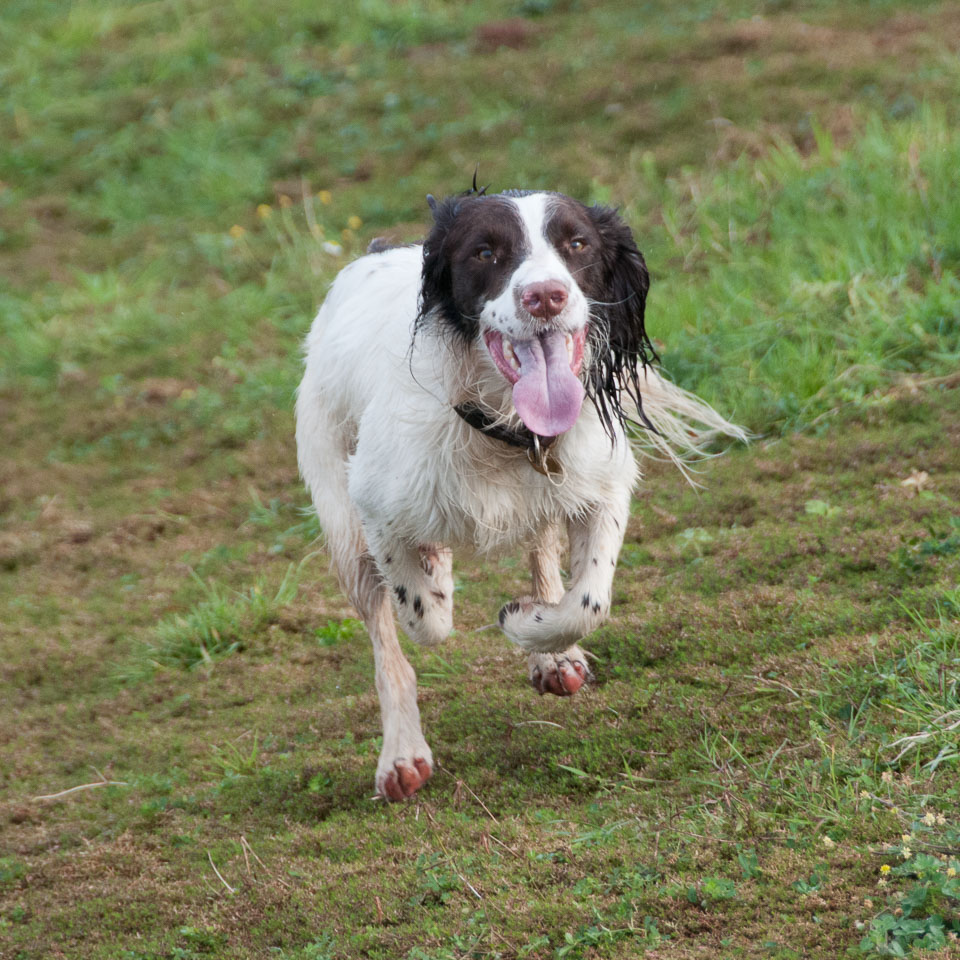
(398, 479)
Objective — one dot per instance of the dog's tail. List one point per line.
(685, 425)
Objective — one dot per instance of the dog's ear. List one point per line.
(626, 347)
(436, 286)
(626, 280)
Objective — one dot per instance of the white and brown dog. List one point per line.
(443, 407)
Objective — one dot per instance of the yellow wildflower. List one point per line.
(285, 201)
(828, 843)
(906, 853)
(236, 231)
(325, 197)
(354, 222)
(264, 210)
(941, 819)
(905, 837)
(929, 819)
(885, 868)
(951, 871)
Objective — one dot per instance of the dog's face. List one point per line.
(553, 292)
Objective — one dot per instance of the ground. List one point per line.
(180, 182)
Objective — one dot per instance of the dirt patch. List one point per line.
(514, 34)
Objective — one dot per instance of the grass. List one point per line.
(766, 766)
(216, 625)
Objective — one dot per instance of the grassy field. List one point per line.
(768, 764)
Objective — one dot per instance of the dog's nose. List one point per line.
(544, 300)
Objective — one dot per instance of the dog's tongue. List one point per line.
(548, 395)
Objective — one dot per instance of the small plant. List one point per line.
(927, 915)
(436, 881)
(913, 557)
(201, 942)
(812, 883)
(231, 760)
(589, 941)
(219, 624)
(320, 949)
(820, 508)
(334, 631)
(749, 864)
(694, 540)
(11, 870)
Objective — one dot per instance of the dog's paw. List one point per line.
(404, 778)
(561, 674)
(402, 771)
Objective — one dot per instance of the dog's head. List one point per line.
(551, 290)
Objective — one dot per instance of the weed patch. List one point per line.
(217, 625)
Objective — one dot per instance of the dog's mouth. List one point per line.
(547, 392)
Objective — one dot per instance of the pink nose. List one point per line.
(544, 300)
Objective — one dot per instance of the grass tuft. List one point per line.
(219, 624)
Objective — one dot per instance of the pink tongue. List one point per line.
(548, 395)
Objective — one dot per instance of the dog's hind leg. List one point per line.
(406, 762)
(559, 673)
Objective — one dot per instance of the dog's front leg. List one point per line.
(406, 762)
(595, 540)
(562, 674)
(421, 583)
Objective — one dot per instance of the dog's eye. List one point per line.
(577, 244)
(485, 255)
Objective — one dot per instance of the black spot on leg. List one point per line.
(506, 609)
(585, 602)
(418, 607)
(538, 618)
(401, 593)
(616, 523)
(388, 559)
(593, 561)
(596, 608)
(613, 562)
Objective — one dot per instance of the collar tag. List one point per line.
(542, 460)
(537, 448)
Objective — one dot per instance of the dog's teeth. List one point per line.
(509, 355)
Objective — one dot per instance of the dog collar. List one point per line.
(537, 447)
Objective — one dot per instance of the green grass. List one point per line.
(215, 626)
(773, 721)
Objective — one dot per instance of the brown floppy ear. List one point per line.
(623, 347)
(436, 282)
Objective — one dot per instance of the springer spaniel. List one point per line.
(475, 392)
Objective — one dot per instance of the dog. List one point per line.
(481, 391)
